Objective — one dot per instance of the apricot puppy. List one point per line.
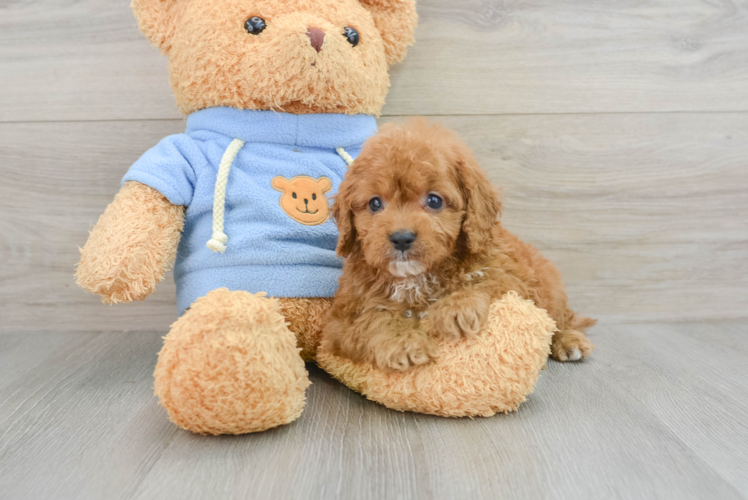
(426, 254)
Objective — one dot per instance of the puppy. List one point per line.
(426, 255)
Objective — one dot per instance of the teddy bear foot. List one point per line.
(230, 365)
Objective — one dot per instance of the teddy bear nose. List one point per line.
(316, 36)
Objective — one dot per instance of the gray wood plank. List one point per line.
(729, 337)
(84, 423)
(86, 60)
(17, 361)
(693, 383)
(51, 197)
(644, 214)
(628, 423)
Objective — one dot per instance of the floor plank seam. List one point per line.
(434, 115)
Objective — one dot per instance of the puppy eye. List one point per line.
(254, 25)
(375, 204)
(434, 202)
(294, 195)
(352, 35)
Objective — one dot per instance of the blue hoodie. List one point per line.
(285, 247)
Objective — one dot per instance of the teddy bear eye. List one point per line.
(352, 35)
(375, 204)
(314, 196)
(254, 25)
(434, 202)
(294, 195)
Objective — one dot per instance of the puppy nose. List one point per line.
(402, 240)
(316, 36)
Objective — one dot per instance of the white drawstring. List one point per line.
(217, 242)
(346, 157)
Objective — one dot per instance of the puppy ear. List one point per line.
(279, 183)
(157, 20)
(396, 21)
(342, 212)
(482, 204)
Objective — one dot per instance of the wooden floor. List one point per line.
(660, 411)
(618, 134)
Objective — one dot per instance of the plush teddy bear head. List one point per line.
(304, 199)
(297, 56)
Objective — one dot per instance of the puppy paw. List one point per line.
(570, 345)
(457, 316)
(406, 349)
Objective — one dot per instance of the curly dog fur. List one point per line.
(392, 301)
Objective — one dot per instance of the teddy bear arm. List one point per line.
(132, 245)
(479, 376)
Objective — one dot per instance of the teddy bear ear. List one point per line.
(279, 183)
(324, 184)
(157, 20)
(396, 21)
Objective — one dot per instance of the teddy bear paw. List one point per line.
(230, 365)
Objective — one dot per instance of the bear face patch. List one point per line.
(303, 198)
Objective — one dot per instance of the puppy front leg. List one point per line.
(388, 339)
(461, 313)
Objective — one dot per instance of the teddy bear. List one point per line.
(280, 96)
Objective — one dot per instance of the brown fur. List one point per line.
(230, 365)
(132, 246)
(213, 61)
(305, 318)
(462, 260)
(480, 376)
